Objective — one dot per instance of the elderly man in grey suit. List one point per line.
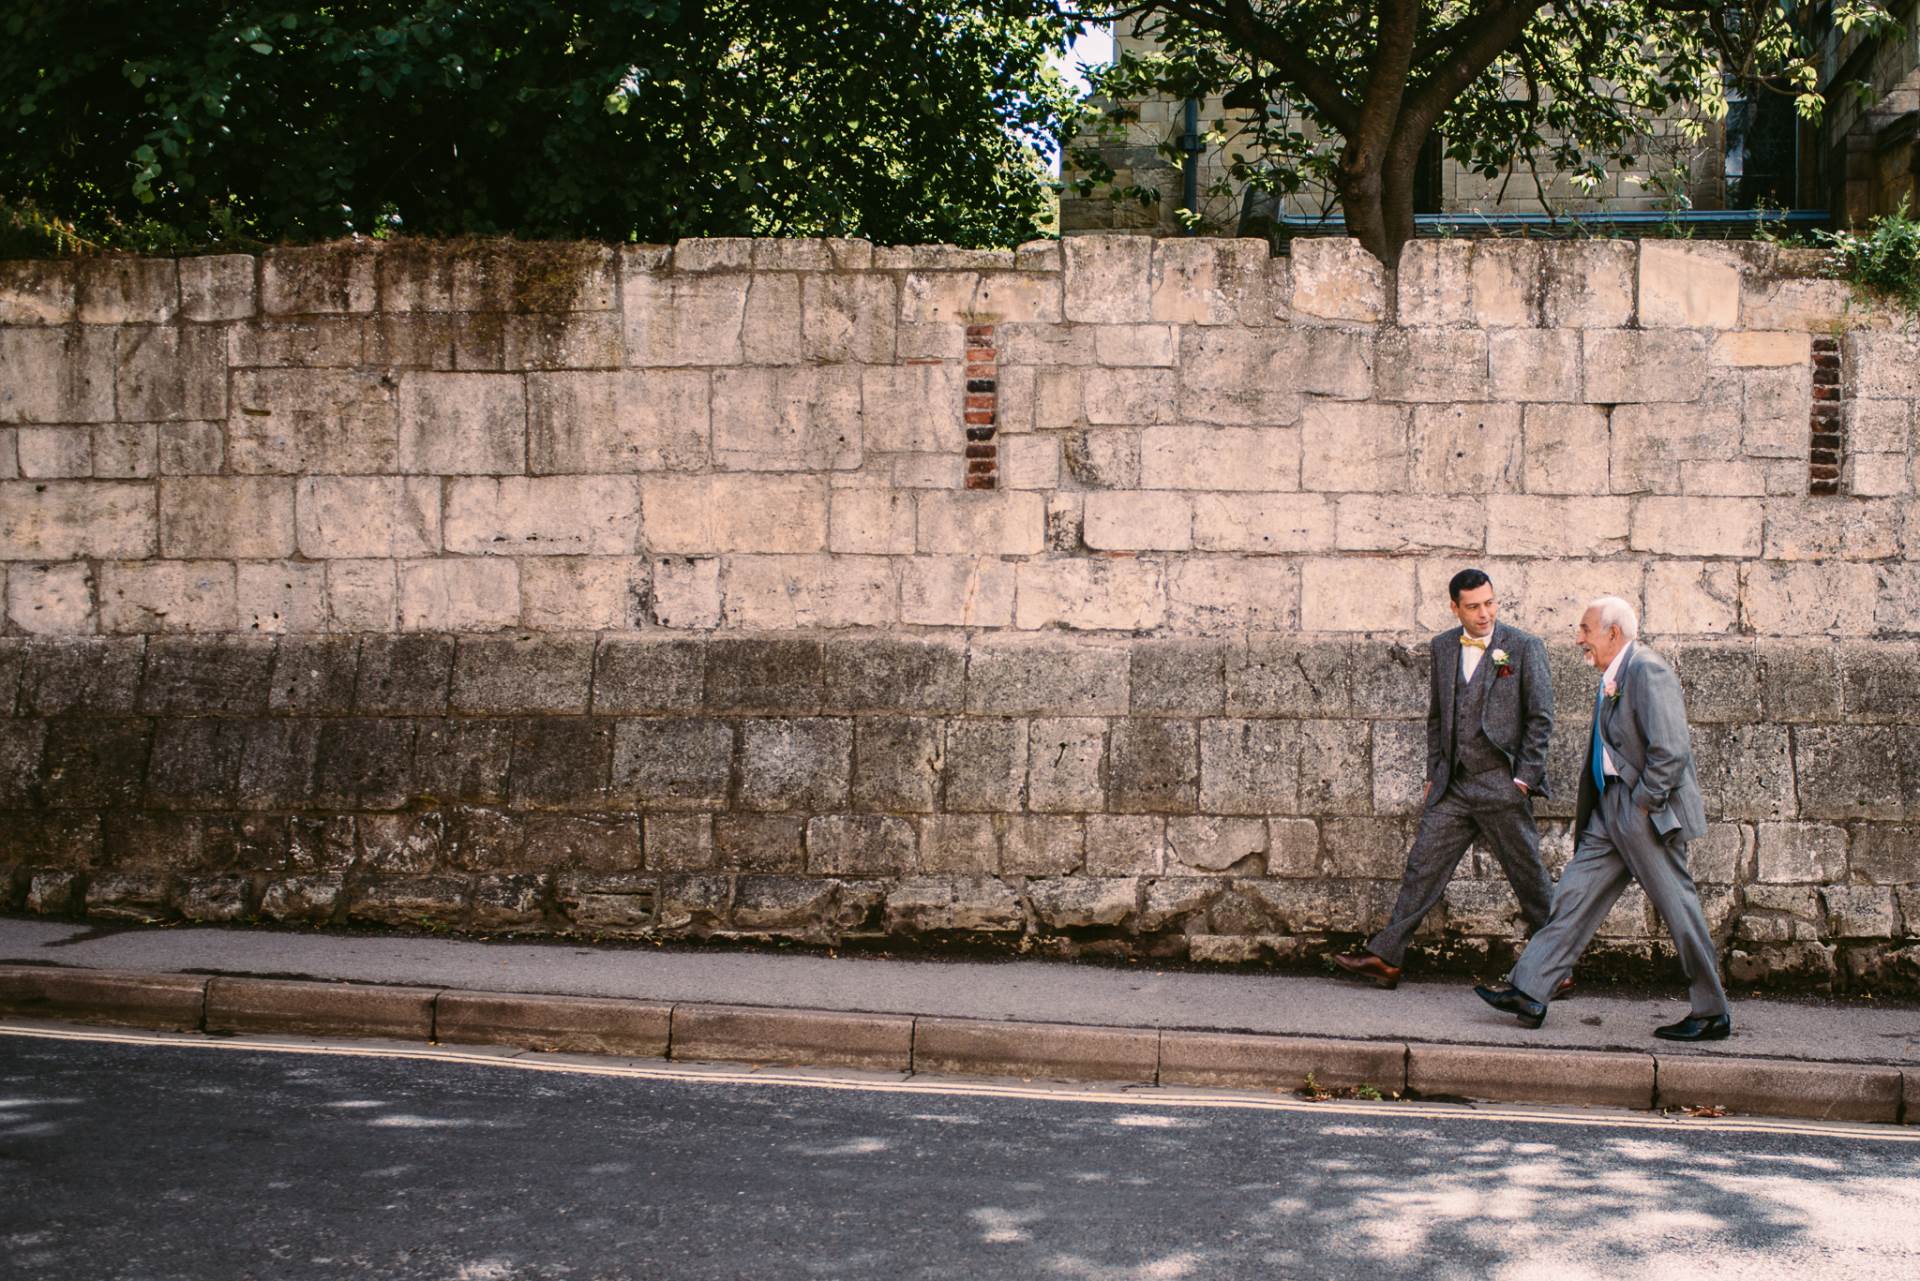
(1489, 716)
(1639, 806)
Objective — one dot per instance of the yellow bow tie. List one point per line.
(1472, 642)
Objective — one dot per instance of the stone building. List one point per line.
(1858, 162)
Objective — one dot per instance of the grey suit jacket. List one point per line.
(1517, 716)
(1645, 730)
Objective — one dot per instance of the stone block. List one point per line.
(458, 595)
(1226, 458)
(1688, 286)
(167, 374)
(1017, 296)
(463, 760)
(1768, 1087)
(226, 517)
(984, 766)
(363, 764)
(1214, 846)
(1127, 397)
(1337, 279)
(1042, 845)
(1590, 285)
(1249, 767)
(1348, 447)
(1576, 1077)
(739, 513)
(1859, 911)
(633, 420)
(1809, 598)
(1434, 282)
(126, 451)
(1881, 364)
(897, 764)
(939, 298)
(1697, 526)
(1075, 902)
(1534, 364)
(760, 842)
(522, 674)
(1014, 675)
(805, 419)
(1065, 765)
(764, 674)
(1027, 1050)
(1155, 767)
(875, 522)
(49, 600)
(1508, 282)
(962, 591)
(404, 675)
(281, 596)
(291, 421)
(1334, 759)
(217, 287)
(1356, 595)
(76, 519)
(1209, 282)
(889, 673)
(1134, 521)
(1721, 681)
(37, 292)
(1432, 365)
(462, 424)
(814, 1037)
(1847, 529)
(560, 763)
(1108, 279)
(77, 676)
(683, 319)
(1125, 845)
(1656, 448)
(1880, 684)
(959, 843)
(685, 591)
(1745, 771)
(859, 845)
(1281, 675)
(1849, 771)
(797, 593)
(1800, 853)
(57, 375)
(1262, 522)
(1692, 598)
(848, 317)
(1761, 348)
(542, 515)
(981, 904)
(318, 278)
(1627, 366)
(1399, 523)
(1030, 462)
(126, 291)
(1177, 677)
(582, 593)
(913, 407)
(126, 999)
(1887, 854)
(53, 453)
(1244, 376)
(1231, 595)
(168, 596)
(190, 676)
(802, 765)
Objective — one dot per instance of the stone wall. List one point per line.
(1073, 597)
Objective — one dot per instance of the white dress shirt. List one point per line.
(1470, 656)
(1612, 674)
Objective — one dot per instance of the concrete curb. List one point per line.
(701, 1031)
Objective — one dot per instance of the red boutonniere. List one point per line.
(1502, 665)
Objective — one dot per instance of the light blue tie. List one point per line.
(1599, 774)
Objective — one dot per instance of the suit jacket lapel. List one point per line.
(1608, 706)
(1449, 684)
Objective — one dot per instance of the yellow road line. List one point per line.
(1131, 1096)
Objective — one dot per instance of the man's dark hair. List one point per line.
(1465, 581)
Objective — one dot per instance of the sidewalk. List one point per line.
(1788, 1056)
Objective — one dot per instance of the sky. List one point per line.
(1095, 47)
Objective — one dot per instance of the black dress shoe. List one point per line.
(1513, 1001)
(1697, 1027)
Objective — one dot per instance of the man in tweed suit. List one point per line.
(1489, 716)
(1639, 805)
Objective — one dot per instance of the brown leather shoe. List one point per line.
(1368, 966)
(1566, 986)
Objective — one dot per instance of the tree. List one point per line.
(177, 122)
(1348, 92)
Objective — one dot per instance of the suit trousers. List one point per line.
(1485, 806)
(1620, 844)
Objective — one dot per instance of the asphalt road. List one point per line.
(211, 1160)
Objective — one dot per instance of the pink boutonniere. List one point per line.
(1502, 665)
(1613, 692)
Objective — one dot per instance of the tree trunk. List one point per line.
(1376, 195)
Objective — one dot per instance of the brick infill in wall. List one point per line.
(983, 453)
(1826, 454)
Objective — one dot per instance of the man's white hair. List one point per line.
(1615, 612)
